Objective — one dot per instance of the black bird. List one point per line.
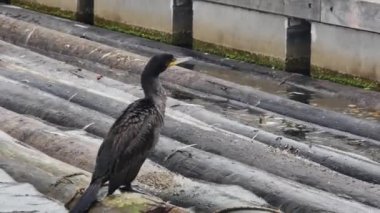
(132, 136)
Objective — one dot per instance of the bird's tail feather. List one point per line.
(87, 199)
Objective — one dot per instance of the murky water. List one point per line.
(289, 128)
(294, 93)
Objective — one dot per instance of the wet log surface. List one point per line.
(44, 40)
(62, 182)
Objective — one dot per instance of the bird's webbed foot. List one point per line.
(127, 188)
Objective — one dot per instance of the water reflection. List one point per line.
(269, 85)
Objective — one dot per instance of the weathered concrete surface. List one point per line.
(240, 29)
(309, 9)
(349, 51)
(70, 5)
(148, 14)
(357, 14)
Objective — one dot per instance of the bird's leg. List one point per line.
(128, 188)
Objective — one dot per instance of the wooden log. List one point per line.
(40, 135)
(61, 108)
(77, 149)
(46, 41)
(273, 189)
(95, 96)
(28, 198)
(61, 181)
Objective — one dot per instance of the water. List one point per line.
(289, 128)
(272, 86)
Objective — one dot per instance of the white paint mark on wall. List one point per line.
(286, 25)
(313, 33)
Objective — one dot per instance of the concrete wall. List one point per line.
(345, 33)
(70, 5)
(346, 50)
(240, 28)
(150, 14)
(307, 9)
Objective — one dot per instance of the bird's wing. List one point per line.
(122, 141)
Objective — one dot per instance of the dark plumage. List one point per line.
(132, 136)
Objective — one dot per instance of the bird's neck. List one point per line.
(153, 90)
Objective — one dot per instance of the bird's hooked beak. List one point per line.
(177, 61)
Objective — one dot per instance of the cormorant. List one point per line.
(132, 136)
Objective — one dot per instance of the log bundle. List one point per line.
(54, 116)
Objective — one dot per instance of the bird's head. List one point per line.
(159, 63)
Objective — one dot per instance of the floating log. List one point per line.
(88, 92)
(46, 41)
(77, 149)
(189, 161)
(62, 112)
(62, 182)
(288, 196)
